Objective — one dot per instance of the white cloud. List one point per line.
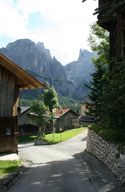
(11, 22)
(67, 24)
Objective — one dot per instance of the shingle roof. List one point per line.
(59, 112)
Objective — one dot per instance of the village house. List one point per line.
(66, 119)
(84, 114)
(84, 108)
(12, 79)
(26, 125)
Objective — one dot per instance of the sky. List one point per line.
(62, 25)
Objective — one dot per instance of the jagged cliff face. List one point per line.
(79, 73)
(35, 58)
(82, 68)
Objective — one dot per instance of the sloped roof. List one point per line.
(87, 119)
(24, 109)
(24, 79)
(60, 112)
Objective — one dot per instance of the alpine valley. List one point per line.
(69, 80)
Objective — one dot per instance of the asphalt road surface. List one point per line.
(64, 167)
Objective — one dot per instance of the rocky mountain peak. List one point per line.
(41, 48)
(83, 53)
(68, 80)
(79, 73)
(40, 45)
(20, 42)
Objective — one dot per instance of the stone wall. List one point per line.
(107, 153)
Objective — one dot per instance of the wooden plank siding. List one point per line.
(8, 141)
(9, 94)
(67, 121)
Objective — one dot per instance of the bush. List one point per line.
(111, 135)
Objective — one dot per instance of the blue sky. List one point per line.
(62, 25)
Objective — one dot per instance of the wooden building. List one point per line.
(111, 16)
(26, 125)
(12, 79)
(84, 108)
(24, 117)
(66, 119)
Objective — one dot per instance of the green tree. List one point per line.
(25, 102)
(108, 87)
(50, 98)
(114, 102)
(99, 42)
(39, 115)
(95, 96)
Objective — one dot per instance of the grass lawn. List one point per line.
(7, 167)
(26, 138)
(59, 137)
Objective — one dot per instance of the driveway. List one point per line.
(64, 167)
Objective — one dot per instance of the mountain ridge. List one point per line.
(37, 60)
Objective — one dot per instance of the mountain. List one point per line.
(37, 60)
(79, 73)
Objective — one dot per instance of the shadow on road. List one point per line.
(84, 139)
(82, 172)
(100, 174)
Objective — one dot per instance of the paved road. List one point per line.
(64, 167)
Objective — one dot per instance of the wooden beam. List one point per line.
(24, 79)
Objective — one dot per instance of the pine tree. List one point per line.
(114, 100)
(99, 42)
(95, 95)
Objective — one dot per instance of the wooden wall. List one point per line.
(9, 94)
(67, 121)
(8, 134)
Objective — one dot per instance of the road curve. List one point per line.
(64, 167)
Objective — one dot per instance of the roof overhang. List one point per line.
(24, 79)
